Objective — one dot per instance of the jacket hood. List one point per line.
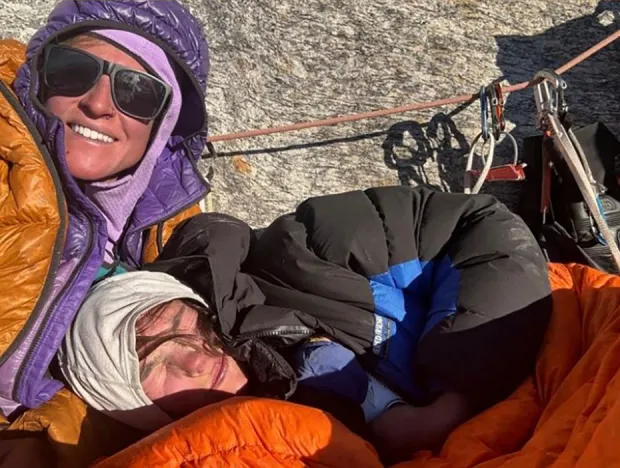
(117, 198)
(168, 24)
(175, 182)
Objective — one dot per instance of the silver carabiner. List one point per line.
(549, 96)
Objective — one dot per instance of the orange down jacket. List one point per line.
(30, 225)
(567, 414)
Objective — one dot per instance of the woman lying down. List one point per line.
(400, 311)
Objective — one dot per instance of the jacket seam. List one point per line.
(33, 223)
(63, 222)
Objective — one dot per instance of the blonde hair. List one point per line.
(84, 39)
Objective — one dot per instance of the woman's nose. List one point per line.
(194, 362)
(98, 102)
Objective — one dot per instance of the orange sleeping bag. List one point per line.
(566, 414)
(250, 432)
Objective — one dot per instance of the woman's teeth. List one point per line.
(91, 134)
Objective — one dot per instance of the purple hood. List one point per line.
(117, 198)
(174, 185)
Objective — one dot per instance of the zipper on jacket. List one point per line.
(62, 213)
(160, 223)
(296, 330)
(67, 286)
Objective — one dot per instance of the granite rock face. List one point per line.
(275, 63)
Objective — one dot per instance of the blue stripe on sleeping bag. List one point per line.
(410, 299)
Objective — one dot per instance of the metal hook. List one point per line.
(496, 98)
(487, 163)
(549, 101)
(499, 110)
(484, 113)
(493, 100)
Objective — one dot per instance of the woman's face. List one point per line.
(180, 369)
(92, 159)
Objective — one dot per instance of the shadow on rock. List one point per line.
(593, 86)
(410, 146)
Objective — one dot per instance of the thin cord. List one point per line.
(409, 107)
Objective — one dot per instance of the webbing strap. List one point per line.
(488, 162)
(580, 170)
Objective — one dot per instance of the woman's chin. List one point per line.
(90, 164)
(89, 173)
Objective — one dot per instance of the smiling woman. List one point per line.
(102, 122)
(119, 100)
(101, 141)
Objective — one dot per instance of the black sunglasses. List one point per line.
(72, 72)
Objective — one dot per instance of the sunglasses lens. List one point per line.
(70, 72)
(138, 94)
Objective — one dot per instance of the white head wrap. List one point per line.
(98, 356)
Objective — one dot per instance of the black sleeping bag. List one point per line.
(433, 291)
(442, 290)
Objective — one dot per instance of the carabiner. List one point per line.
(496, 98)
(493, 101)
(549, 101)
(487, 162)
(513, 171)
(499, 109)
(484, 114)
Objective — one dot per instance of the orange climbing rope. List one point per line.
(409, 107)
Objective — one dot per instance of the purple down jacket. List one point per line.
(174, 186)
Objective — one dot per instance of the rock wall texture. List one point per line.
(277, 62)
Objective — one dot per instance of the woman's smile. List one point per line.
(92, 120)
(91, 134)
